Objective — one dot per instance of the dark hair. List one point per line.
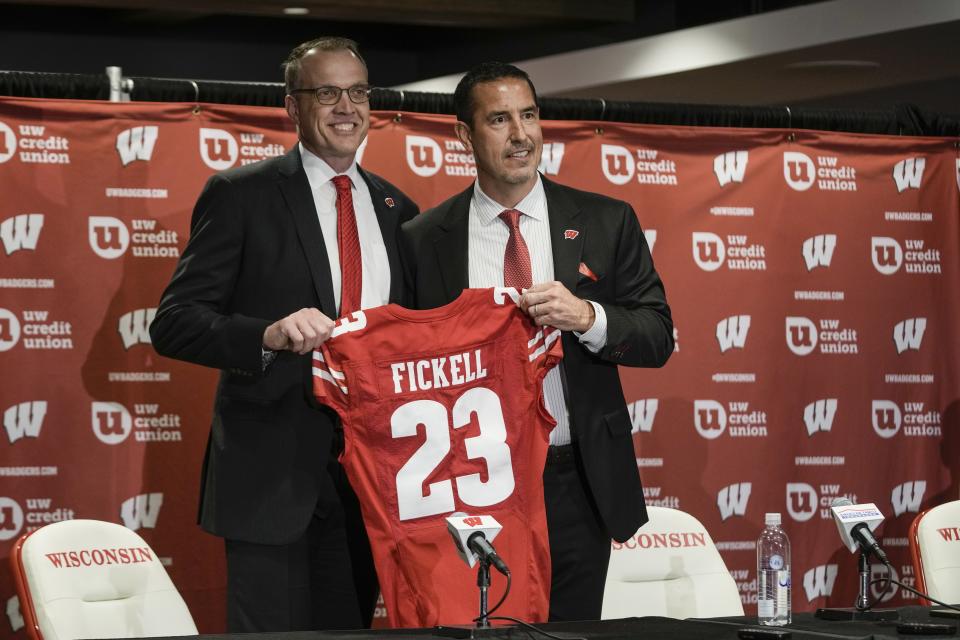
(291, 66)
(463, 100)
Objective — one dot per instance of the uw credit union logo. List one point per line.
(108, 236)
(8, 142)
(218, 149)
(424, 156)
(11, 518)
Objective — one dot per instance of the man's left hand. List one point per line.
(551, 303)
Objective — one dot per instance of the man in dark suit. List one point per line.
(586, 269)
(277, 250)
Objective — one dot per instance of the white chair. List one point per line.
(93, 579)
(935, 547)
(671, 568)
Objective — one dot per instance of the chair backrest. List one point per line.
(935, 547)
(93, 579)
(670, 567)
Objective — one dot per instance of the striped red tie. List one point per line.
(516, 258)
(348, 242)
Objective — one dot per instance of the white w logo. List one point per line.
(134, 327)
(907, 497)
(732, 332)
(818, 582)
(908, 334)
(141, 511)
(551, 158)
(642, 413)
(136, 143)
(818, 416)
(21, 232)
(24, 420)
(818, 250)
(908, 173)
(732, 500)
(730, 167)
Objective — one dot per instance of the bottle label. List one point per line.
(776, 562)
(783, 590)
(764, 608)
(783, 578)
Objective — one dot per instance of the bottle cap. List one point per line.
(772, 519)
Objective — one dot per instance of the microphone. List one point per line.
(477, 542)
(472, 535)
(856, 523)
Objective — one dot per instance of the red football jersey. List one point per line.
(442, 412)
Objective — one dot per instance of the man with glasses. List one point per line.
(277, 251)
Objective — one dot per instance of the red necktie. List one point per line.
(516, 258)
(348, 243)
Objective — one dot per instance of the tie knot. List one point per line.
(342, 183)
(511, 217)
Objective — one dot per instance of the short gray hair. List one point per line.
(291, 66)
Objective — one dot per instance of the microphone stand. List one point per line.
(863, 602)
(861, 610)
(483, 581)
(482, 629)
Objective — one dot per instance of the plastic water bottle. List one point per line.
(773, 574)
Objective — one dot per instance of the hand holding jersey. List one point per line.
(300, 332)
(552, 304)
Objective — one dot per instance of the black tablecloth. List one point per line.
(805, 626)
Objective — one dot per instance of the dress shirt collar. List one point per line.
(488, 209)
(319, 172)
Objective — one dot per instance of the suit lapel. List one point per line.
(452, 246)
(387, 219)
(299, 199)
(566, 234)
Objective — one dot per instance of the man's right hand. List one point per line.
(300, 332)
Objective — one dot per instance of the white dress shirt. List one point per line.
(488, 236)
(376, 266)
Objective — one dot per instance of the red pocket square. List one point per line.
(585, 270)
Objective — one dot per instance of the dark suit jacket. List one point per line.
(255, 255)
(609, 241)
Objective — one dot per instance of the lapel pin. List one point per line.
(389, 202)
(570, 234)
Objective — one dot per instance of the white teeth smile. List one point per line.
(346, 127)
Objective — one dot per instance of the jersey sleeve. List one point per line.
(544, 349)
(329, 382)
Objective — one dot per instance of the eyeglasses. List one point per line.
(358, 93)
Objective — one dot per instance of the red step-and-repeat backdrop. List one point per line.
(813, 279)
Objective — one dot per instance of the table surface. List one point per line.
(805, 626)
